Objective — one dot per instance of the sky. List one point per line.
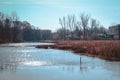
(45, 14)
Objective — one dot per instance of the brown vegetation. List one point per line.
(107, 49)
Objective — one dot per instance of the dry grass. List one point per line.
(107, 49)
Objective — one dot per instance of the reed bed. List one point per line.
(107, 49)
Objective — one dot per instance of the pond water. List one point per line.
(22, 61)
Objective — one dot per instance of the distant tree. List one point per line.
(1, 26)
(96, 29)
(27, 31)
(58, 35)
(71, 23)
(68, 22)
(84, 23)
(14, 16)
(61, 34)
(63, 24)
(102, 29)
(13, 30)
(7, 30)
(76, 33)
(87, 27)
(17, 31)
(46, 34)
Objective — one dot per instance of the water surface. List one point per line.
(22, 61)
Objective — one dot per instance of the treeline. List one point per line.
(81, 27)
(72, 28)
(14, 30)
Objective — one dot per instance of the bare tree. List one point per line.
(14, 16)
(71, 23)
(16, 27)
(94, 30)
(63, 24)
(84, 22)
(86, 27)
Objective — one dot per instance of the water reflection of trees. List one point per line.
(8, 66)
(9, 60)
(83, 68)
(113, 67)
(80, 68)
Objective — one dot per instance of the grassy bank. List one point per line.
(106, 49)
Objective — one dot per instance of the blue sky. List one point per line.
(45, 13)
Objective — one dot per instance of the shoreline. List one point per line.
(107, 50)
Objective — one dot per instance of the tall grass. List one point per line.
(108, 49)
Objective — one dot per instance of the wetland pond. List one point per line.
(22, 61)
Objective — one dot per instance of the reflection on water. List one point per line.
(113, 67)
(36, 63)
(24, 44)
(29, 63)
(9, 67)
